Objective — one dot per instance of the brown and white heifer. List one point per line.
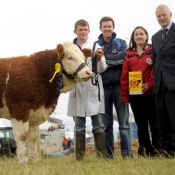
(27, 98)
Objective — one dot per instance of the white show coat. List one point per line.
(83, 98)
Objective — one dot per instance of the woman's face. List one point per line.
(140, 37)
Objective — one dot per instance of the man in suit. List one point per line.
(163, 55)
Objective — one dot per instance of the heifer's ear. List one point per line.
(60, 51)
(87, 52)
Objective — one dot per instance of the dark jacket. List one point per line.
(114, 55)
(163, 55)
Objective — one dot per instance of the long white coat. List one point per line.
(83, 98)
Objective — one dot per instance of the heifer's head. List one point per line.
(73, 61)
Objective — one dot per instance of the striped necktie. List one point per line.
(164, 32)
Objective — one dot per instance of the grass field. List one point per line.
(90, 166)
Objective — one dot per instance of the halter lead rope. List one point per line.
(94, 79)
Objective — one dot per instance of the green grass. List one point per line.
(89, 166)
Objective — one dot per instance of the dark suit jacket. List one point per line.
(163, 55)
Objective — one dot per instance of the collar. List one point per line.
(168, 27)
(101, 36)
(143, 48)
(75, 42)
(131, 52)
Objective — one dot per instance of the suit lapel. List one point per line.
(159, 39)
(169, 35)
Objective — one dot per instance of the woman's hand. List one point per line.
(126, 103)
(144, 88)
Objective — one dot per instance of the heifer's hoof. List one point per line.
(33, 160)
(23, 161)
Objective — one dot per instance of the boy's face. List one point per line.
(82, 32)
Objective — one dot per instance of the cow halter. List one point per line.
(72, 76)
(60, 69)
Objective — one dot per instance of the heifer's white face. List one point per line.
(73, 58)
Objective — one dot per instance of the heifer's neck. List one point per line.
(67, 85)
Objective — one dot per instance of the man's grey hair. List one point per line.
(162, 6)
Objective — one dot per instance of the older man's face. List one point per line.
(163, 16)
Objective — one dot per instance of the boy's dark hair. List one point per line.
(81, 22)
(107, 18)
(132, 44)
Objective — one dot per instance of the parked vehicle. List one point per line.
(7, 142)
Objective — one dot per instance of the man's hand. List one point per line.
(99, 53)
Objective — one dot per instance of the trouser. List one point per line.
(80, 131)
(165, 104)
(97, 125)
(145, 115)
(113, 97)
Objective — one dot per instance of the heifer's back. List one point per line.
(25, 83)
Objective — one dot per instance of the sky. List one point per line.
(28, 26)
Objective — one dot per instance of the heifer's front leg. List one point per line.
(32, 142)
(20, 132)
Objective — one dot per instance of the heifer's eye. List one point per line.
(69, 58)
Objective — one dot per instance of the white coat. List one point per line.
(83, 98)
